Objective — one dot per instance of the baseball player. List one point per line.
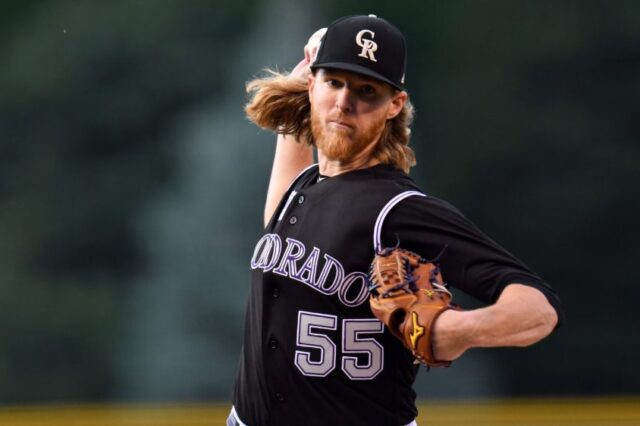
(313, 351)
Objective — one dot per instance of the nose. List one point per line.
(344, 99)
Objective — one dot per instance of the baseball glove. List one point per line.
(407, 294)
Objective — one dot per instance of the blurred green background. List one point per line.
(132, 186)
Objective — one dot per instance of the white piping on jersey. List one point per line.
(235, 417)
(284, 209)
(377, 230)
(293, 193)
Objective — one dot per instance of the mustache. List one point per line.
(340, 118)
(336, 117)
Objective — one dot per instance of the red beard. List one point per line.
(343, 145)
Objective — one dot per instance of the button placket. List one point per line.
(273, 344)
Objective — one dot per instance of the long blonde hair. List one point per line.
(280, 103)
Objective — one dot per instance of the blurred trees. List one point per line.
(129, 180)
(88, 91)
(532, 131)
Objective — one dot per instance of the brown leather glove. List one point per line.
(407, 295)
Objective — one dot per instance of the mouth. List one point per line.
(339, 124)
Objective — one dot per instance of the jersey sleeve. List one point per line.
(469, 259)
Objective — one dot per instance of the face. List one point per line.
(349, 112)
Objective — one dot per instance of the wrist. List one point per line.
(453, 334)
(469, 326)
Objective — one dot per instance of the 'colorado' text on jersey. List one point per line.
(293, 260)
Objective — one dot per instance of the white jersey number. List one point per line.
(309, 336)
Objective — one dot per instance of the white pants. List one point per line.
(234, 420)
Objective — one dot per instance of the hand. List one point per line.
(310, 51)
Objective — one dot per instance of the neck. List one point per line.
(362, 160)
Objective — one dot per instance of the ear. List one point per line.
(311, 81)
(398, 100)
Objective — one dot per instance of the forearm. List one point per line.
(291, 157)
(521, 317)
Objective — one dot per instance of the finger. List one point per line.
(311, 48)
(301, 70)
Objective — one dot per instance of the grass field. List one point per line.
(523, 412)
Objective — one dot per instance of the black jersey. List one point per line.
(313, 352)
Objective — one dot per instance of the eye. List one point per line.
(367, 90)
(332, 82)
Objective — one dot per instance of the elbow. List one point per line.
(549, 320)
(545, 324)
(552, 318)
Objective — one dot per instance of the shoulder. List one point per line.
(390, 176)
(427, 207)
(429, 218)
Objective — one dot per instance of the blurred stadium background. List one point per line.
(131, 193)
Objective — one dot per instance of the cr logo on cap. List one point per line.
(368, 46)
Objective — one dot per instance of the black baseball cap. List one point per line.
(367, 45)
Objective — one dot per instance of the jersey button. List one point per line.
(293, 220)
(273, 344)
(280, 396)
(276, 293)
(301, 199)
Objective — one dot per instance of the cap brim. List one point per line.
(357, 69)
